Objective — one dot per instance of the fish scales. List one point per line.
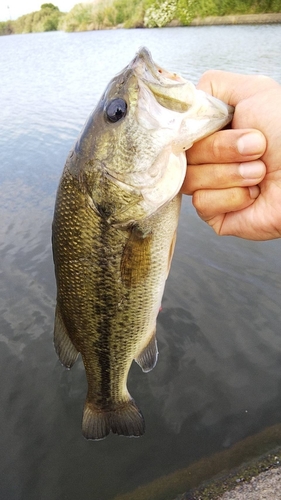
(118, 319)
(114, 232)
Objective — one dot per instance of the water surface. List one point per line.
(218, 379)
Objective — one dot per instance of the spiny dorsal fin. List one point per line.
(65, 350)
(147, 359)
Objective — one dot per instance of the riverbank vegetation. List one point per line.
(106, 14)
(46, 19)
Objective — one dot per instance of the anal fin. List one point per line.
(125, 420)
(147, 359)
(65, 350)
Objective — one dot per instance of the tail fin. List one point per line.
(125, 420)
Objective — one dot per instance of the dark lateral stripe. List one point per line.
(104, 309)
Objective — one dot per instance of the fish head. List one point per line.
(132, 148)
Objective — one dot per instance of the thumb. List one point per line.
(233, 87)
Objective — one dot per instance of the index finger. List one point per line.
(226, 146)
(234, 87)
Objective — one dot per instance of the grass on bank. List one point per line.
(103, 14)
(46, 19)
(157, 13)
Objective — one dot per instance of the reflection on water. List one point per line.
(218, 375)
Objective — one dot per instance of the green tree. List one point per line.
(79, 18)
(45, 19)
(49, 6)
(185, 11)
(6, 28)
(161, 12)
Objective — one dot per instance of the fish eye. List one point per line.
(116, 109)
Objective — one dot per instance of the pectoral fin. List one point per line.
(65, 350)
(171, 252)
(136, 258)
(147, 359)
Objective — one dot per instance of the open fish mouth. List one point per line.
(152, 69)
(171, 90)
(163, 83)
(176, 114)
(196, 113)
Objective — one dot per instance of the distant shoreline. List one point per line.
(237, 19)
(232, 19)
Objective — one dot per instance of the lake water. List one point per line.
(218, 378)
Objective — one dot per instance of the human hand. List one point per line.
(234, 175)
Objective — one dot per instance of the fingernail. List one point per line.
(254, 192)
(252, 169)
(252, 143)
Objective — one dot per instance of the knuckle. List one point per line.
(206, 80)
(216, 148)
(199, 201)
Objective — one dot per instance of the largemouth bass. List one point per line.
(114, 231)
